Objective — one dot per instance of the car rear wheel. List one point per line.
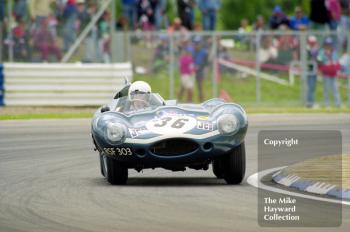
(233, 165)
(217, 169)
(102, 168)
(115, 172)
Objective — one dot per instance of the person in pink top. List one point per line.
(186, 65)
(334, 11)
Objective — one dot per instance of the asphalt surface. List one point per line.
(50, 181)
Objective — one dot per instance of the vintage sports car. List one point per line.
(165, 134)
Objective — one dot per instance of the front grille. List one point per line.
(173, 147)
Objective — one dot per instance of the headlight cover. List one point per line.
(228, 124)
(115, 132)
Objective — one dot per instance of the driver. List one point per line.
(139, 95)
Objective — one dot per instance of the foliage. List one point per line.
(233, 11)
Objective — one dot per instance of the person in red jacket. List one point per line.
(329, 66)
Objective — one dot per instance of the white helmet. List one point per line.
(140, 91)
(139, 87)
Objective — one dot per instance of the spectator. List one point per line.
(200, 57)
(344, 26)
(177, 26)
(299, 22)
(52, 24)
(344, 62)
(161, 54)
(245, 27)
(39, 11)
(160, 15)
(268, 50)
(91, 42)
(20, 41)
(318, 14)
(329, 66)
(20, 9)
(145, 12)
(278, 18)
(186, 12)
(121, 24)
(45, 43)
(209, 9)
(242, 38)
(129, 12)
(334, 11)
(312, 51)
(186, 74)
(287, 47)
(260, 24)
(104, 38)
(82, 15)
(70, 15)
(2, 10)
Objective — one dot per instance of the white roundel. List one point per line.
(171, 125)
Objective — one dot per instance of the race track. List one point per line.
(50, 181)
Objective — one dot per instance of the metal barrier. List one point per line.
(1, 86)
(62, 84)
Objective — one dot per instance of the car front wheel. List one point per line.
(115, 172)
(217, 169)
(233, 165)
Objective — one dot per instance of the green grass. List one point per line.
(243, 90)
(45, 116)
(275, 98)
(249, 110)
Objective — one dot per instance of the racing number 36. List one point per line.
(179, 123)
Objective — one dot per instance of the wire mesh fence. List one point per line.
(281, 68)
(259, 68)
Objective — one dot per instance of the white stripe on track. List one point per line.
(255, 181)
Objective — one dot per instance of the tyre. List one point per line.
(233, 165)
(116, 173)
(102, 168)
(217, 169)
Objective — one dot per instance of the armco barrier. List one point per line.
(2, 92)
(63, 84)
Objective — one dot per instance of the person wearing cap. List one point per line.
(299, 22)
(329, 66)
(312, 51)
(278, 18)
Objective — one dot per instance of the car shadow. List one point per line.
(170, 182)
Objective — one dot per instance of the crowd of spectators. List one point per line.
(42, 30)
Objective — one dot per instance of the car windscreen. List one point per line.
(140, 103)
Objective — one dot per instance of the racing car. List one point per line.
(139, 130)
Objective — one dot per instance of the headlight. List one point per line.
(115, 132)
(228, 123)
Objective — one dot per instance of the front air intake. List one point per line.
(174, 147)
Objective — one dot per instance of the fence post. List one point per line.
(2, 90)
(257, 67)
(348, 64)
(171, 67)
(112, 32)
(9, 28)
(1, 39)
(304, 71)
(214, 71)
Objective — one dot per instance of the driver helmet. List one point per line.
(139, 94)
